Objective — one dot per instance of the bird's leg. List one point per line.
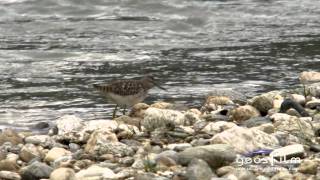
(114, 112)
(124, 110)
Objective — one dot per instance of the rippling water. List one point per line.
(52, 51)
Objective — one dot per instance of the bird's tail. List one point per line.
(102, 88)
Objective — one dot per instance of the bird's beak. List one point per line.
(157, 85)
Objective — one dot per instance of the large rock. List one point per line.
(307, 77)
(7, 175)
(245, 140)
(102, 142)
(243, 113)
(215, 155)
(56, 153)
(156, 118)
(9, 135)
(28, 152)
(256, 121)
(300, 127)
(265, 102)
(63, 174)
(95, 172)
(8, 165)
(69, 124)
(36, 170)
(313, 90)
(199, 169)
(217, 127)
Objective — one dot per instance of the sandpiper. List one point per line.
(126, 93)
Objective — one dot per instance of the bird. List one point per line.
(127, 92)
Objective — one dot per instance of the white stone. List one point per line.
(217, 127)
(43, 140)
(155, 118)
(245, 140)
(56, 153)
(68, 124)
(95, 172)
(63, 174)
(8, 175)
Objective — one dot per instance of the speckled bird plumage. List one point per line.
(126, 93)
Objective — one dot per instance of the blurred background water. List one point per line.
(52, 51)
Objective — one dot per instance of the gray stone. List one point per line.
(149, 176)
(36, 170)
(214, 128)
(95, 172)
(313, 104)
(240, 174)
(198, 169)
(169, 153)
(313, 90)
(295, 150)
(179, 147)
(215, 155)
(68, 124)
(42, 140)
(264, 102)
(8, 175)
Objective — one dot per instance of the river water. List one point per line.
(52, 51)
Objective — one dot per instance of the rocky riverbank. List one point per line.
(229, 137)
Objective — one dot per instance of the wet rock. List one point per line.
(245, 140)
(288, 104)
(295, 150)
(41, 125)
(217, 127)
(215, 155)
(308, 167)
(7, 175)
(95, 172)
(9, 135)
(235, 96)
(155, 118)
(8, 165)
(315, 147)
(199, 169)
(300, 127)
(264, 102)
(36, 170)
(243, 113)
(307, 77)
(63, 174)
(256, 121)
(56, 153)
(313, 104)
(42, 140)
(28, 152)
